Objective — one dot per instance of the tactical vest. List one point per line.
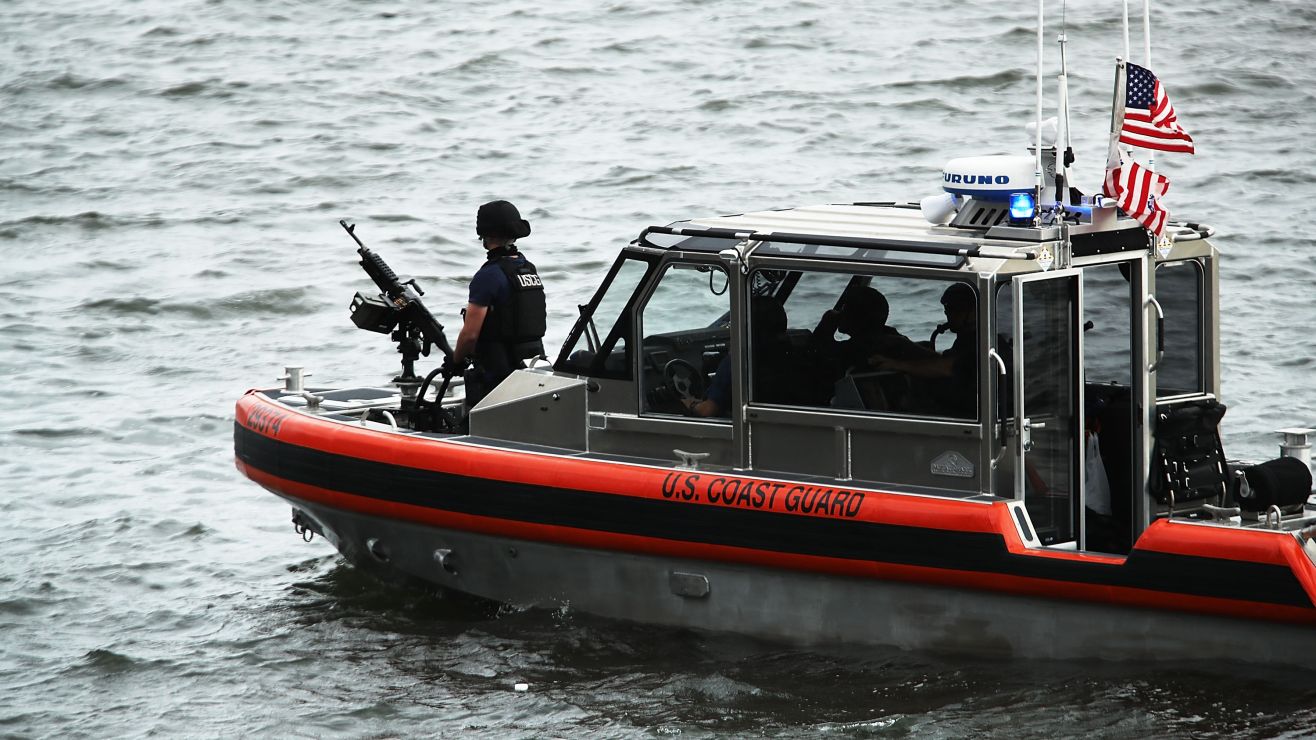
(524, 317)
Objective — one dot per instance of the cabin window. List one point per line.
(1108, 306)
(1179, 291)
(685, 366)
(605, 355)
(881, 343)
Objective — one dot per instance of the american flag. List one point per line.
(1149, 119)
(1137, 191)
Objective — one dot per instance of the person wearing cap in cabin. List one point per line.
(861, 316)
(954, 372)
(505, 316)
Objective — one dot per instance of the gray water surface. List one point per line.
(171, 176)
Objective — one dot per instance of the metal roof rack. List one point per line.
(887, 245)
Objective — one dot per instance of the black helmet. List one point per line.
(499, 219)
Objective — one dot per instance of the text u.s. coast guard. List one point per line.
(762, 494)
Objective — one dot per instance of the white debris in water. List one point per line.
(522, 687)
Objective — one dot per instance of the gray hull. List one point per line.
(795, 607)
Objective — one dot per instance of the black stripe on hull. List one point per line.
(760, 530)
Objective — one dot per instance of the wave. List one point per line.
(482, 63)
(927, 105)
(86, 220)
(275, 301)
(971, 82)
(63, 81)
(212, 87)
(1274, 175)
(102, 265)
(772, 42)
(108, 661)
(124, 306)
(621, 175)
(21, 607)
(165, 31)
(60, 433)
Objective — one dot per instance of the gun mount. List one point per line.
(398, 311)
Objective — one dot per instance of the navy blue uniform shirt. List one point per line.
(719, 392)
(489, 286)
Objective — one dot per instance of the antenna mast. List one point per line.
(1126, 29)
(1037, 213)
(1146, 60)
(1065, 158)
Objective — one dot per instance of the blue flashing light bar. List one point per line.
(1022, 207)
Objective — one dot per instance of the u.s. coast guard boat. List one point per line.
(1051, 483)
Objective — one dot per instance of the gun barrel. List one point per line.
(351, 231)
(406, 301)
(378, 269)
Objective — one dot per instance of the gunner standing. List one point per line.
(505, 317)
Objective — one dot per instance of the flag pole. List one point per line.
(1037, 173)
(1117, 106)
(1146, 33)
(1126, 29)
(1117, 114)
(1063, 160)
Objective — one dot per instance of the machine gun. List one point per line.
(398, 311)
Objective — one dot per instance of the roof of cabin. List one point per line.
(902, 221)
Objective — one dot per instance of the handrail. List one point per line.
(894, 245)
(1202, 231)
(1160, 333)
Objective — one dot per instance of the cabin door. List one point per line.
(1115, 314)
(1048, 401)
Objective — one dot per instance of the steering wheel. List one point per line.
(683, 378)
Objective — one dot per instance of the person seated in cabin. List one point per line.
(779, 374)
(952, 374)
(769, 369)
(862, 317)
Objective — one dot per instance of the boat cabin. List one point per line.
(862, 345)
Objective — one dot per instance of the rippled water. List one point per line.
(171, 174)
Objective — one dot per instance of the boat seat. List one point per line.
(1188, 461)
